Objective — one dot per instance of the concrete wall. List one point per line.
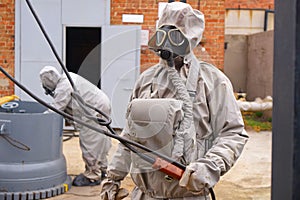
(236, 61)
(249, 63)
(260, 65)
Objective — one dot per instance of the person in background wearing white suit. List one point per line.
(94, 145)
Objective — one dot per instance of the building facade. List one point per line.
(212, 45)
(211, 48)
(7, 55)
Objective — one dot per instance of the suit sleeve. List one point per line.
(228, 127)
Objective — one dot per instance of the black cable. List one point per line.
(101, 121)
(124, 141)
(113, 134)
(84, 104)
(49, 42)
(69, 134)
(15, 142)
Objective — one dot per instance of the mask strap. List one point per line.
(48, 91)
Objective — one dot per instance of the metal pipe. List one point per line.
(266, 18)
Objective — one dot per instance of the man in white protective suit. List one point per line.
(182, 108)
(94, 145)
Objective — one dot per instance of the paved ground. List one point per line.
(249, 179)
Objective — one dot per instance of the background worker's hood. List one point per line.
(49, 77)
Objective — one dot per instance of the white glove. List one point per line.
(200, 176)
(110, 190)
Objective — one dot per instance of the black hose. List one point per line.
(69, 134)
(113, 134)
(84, 104)
(102, 122)
(50, 43)
(80, 101)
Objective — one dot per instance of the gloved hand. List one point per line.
(110, 190)
(200, 176)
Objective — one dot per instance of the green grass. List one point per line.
(257, 121)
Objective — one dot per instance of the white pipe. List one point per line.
(257, 105)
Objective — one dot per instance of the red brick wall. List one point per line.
(261, 4)
(213, 10)
(7, 31)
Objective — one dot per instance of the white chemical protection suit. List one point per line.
(216, 120)
(94, 145)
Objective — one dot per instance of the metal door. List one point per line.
(32, 49)
(120, 67)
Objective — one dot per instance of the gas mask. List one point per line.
(169, 41)
(48, 91)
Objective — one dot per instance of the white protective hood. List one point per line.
(189, 21)
(49, 77)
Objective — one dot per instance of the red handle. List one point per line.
(168, 168)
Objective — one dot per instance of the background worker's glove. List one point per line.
(110, 190)
(200, 176)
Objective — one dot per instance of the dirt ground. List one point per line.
(249, 179)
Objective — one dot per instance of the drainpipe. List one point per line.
(266, 18)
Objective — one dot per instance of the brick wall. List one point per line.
(7, 30)
(213, 10)
(261, 4)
